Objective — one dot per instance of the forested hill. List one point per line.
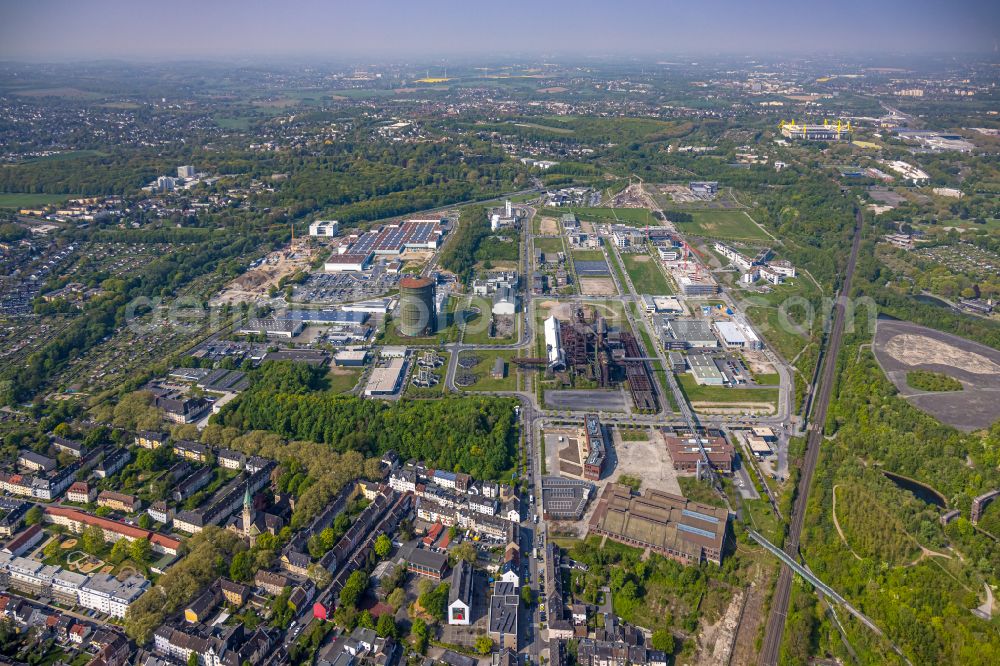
(476, 435)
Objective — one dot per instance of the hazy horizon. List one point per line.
(59, 30)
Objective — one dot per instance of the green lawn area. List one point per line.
(482, 370)
(728, 224)
(587, 255)
(647, 278)
(697, 393)
(547, 245)
(635, 217)
(770, 378)
(26, 200)
(343, 379)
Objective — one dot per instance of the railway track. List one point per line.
(779, 603)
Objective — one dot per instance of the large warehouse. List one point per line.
(737, 336)
(667, 524)
(349, 261)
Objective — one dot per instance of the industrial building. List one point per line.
(679, 334)
(324, 228)
(824, 132)
(273, 328)
(385, 379)
(668, 524)
(704, 370)
(553, 345)
(737, 335)
(416, 307)
(704, 188)
(348, 261)
(686, 452)
(504, 301)
(394, 239)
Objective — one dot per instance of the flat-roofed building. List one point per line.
(385, 379)
(272, 328)
(735, 335)
(107, 594)
(667, 524)
(688, 334)
(349, 261)
(685, 452)
(324, 228)
(704, 370)
(503, 615)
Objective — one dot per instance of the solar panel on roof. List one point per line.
(700, 516)
(695, 530)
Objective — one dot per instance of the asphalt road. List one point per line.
(779, 602)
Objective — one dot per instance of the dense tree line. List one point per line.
(476, 435)
(460, 254)
(207, 558)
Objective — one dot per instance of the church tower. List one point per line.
(248, 515)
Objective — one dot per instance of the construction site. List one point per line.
(586, 348)
(267, 274)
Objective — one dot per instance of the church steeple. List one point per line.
(247, 514)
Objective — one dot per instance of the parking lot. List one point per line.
(345, 287)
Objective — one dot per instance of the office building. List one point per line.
(324, 228)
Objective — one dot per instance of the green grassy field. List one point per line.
(727, 224)
(482, 370)
(343, 379)
(17, 200)
(635, 217)
(587, 255)
(696, 392)
(550, 244)
(646, 275)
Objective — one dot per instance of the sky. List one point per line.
(224, 29)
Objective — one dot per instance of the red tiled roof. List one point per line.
(131, 531)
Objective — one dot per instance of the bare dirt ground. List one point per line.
(758, 363)
(256, 282)
(715, 642)
(911, 349)
(548, 226)
(647, 460)
(630, 197)
(764, 408)
(598, 287)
